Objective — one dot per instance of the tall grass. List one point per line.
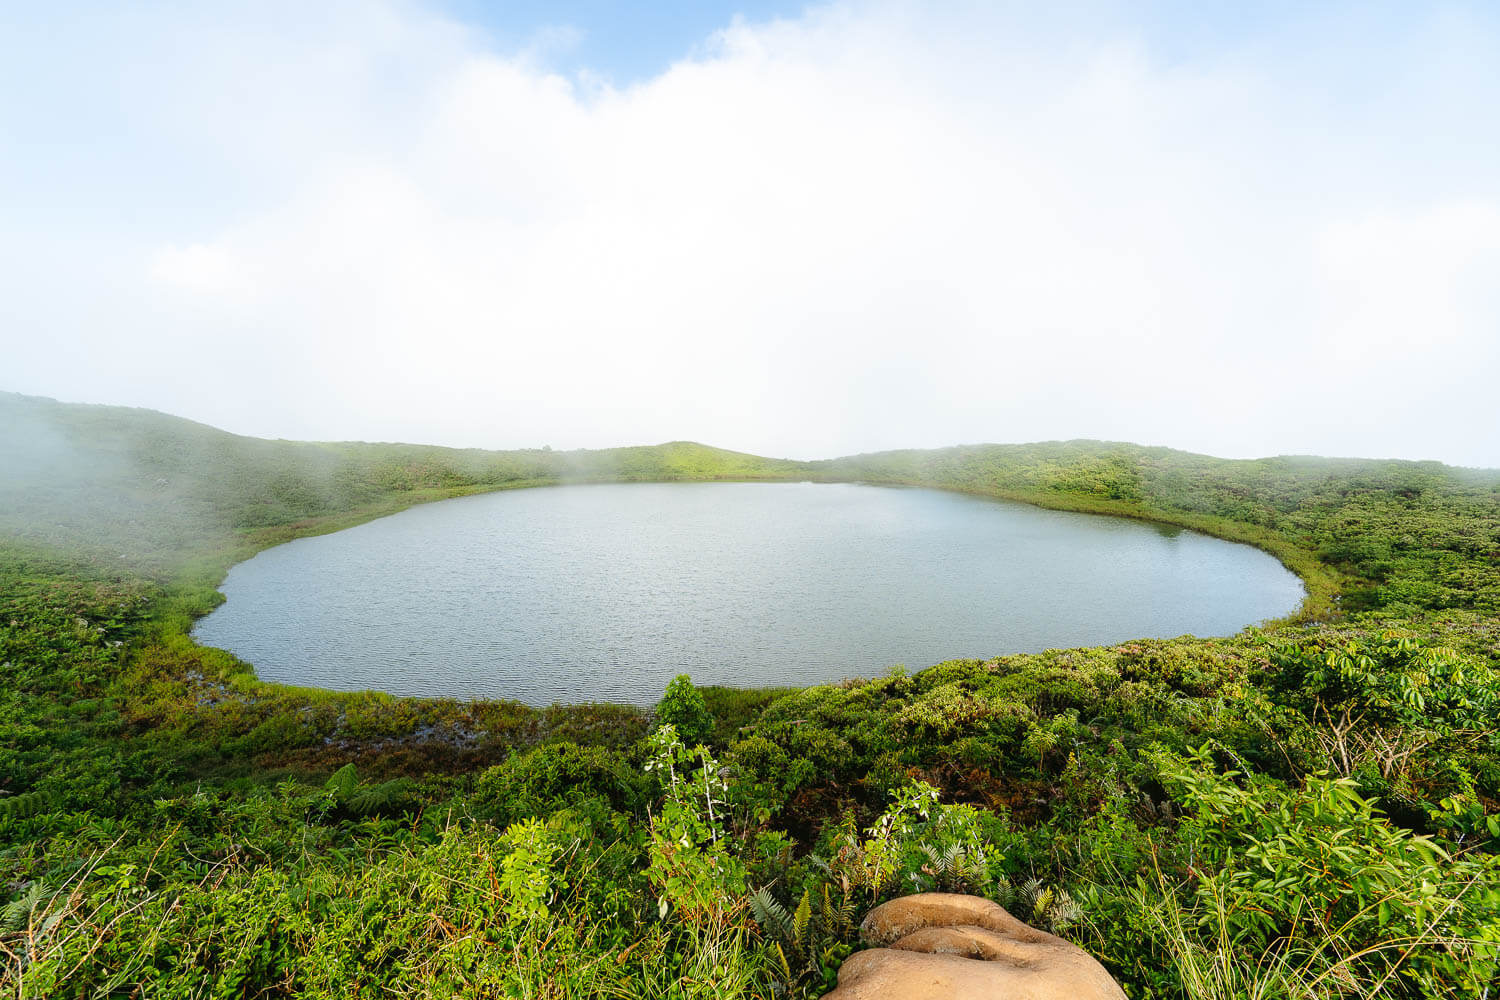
(1200, 945)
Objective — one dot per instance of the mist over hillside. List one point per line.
(153, 493)
(154, 486)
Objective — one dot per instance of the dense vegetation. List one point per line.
(1308, 810)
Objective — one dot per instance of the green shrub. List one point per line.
(683, 708)
(1319, 874)
(538, 781)
(350, 797)
(763, 777)
(1414, 723)
(692, 866)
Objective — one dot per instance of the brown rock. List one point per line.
(900, 917)
(944, 946)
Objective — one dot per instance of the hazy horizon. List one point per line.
(808, 458)
(793, 231)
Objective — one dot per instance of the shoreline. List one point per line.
(270, 538)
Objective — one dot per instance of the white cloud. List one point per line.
(1421, 277)
(209, 270)
(866, 227)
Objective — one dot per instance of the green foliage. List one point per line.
(691, 866)
(26, 805)
(1048, 908)
(683, 708)
(347, 794)
(1391, 682)
(1417, 725)
(810, 941)
(917, 845)
(1308, 812)
(1317, 868)
(887, 840)
(763, 778)
(526, 874)
(539, 781)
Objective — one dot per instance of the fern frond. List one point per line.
(1041, 905)
(770, 914)
(846, 916)
(343, 783)
(1026, 894)
(376, 798)
(17, 914)
(786, 968)
(26, 805)
(966, 870)
(1065, 911)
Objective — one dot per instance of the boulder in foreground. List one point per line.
(945, 946)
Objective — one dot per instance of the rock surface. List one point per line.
(944, 946)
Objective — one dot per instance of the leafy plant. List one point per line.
(538, 781)
(811, 940)
(27, 804)
(526, 874)
(1320, 863)
(691, 867)
(352, 797)
(682, 707)
(1382, 703)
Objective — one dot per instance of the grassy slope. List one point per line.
(159, 493)
(1314, 514)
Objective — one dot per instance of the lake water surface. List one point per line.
(604, 593)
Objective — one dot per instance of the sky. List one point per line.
(795, 230)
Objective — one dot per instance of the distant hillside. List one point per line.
(1383, 532)
(156, 489)
(161, 495)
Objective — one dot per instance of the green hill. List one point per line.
(155, 494)
(162, 492)
(1373, 532)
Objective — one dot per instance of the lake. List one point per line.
(606, 592)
